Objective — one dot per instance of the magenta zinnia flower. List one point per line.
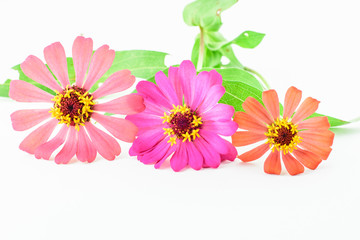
(183, 118)
(73, 107)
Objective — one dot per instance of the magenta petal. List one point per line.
(120, 128)
(38, 136)
(81, 51)
(155, 154)
(56, 59)
(22, 91)
(69, 149)
(152, 93)
(219, 112)
(117, 82)
(212, 98)
(146, 141)
(145, 119)
(211, 157)
(217, 143)
(196, 160)
(169, 151)
(106, 145)
(25, 119)
(167, 88)
(86, 151)
(225, 128)
(174, 78)
(35, 69)
(45, 150)
(100, 62)
(187, 73)
(125, 105)
(231, 152)
(215, 78)
(180, 158)
(201, 85)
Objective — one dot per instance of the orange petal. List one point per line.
(272, 163)
(256, 110)
(314, 123)
(292, 165)
(308, 159)
(271, 102)
(324, 138)
(255, 153)
(307, 108)
(244, 138)
(292, 100)
(246, 122)
(322, 151)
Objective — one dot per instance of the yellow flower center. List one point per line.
(282, 136)
(73, 106)
(183, 124)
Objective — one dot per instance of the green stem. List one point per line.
(201, 50)
(267, 86)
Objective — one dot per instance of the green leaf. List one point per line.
(212, 59)
(4, 88)
(334, 122)
(206, 13)
(248, 39)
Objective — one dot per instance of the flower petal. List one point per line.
(272, 163)
(321, 151)
(307, 108)
(243, 138)
(256, 110)
(215, 141)
(105, 145)
(201, 87)
(81, 51)
(314, 123)
(195, 158)
(174, 78)
(167, 88)
(215, 78)
(292, 165)
(125, 105)
(56, 59)
(145, 119)
(180, 158)
(120, 128)
(323, 138)
(25, 119)
(69, 149)
(152, 93)
(117, 82)
(211, 157)
(100, 62)
(38, 136)
(22, 91)
(308, 159)
(292, 100)
(255, 153)
(225, 128)
(212, 98)
(271, 102)
(86, 151)
(219, 112)
(146, 141)
(35, 69)
(231, 152)
(156, 154)
(187, 73)
(247, 122)
(45, 150)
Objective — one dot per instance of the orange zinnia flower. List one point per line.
(300, 141)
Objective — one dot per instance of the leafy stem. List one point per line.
(266, 84)
(201, 50)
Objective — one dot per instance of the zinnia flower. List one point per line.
(74, 106)
(183, 118)
(299, 141)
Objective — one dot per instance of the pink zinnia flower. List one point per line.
(294, 138)
(73, 106)
(183, 118)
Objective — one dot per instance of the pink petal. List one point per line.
(217, 143)
(200, 89)
(25, 119)
(69, 149)
(272, 163)
(45, 150)
(100, 62)
(292, 165)
(307, 108)
(321, 151)
(231, 152)
(174, 78)
(244, 138)
(125, 105)
(22, 91)
(152, 93)
(169, 151)
(246, 122)
(314, 123)
(255, 153)
(156, 154)
(167, 88)
(271, 102)
(323, 138)
(256, 110)
(35, 69)
(144, 119)
(187, 73)
(117, 82)
(147, 140)
(81, 51)
(105, 145)
(215, 78)
(308, 159)
(38, 136)
(225, 128)
(292, 100)
(86, 151)
(118, 127)
(219, 112)
(211, 157)
(195, 158)
(180, 158)
(56, 59)
(212, 98)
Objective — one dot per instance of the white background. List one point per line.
(313, 45)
